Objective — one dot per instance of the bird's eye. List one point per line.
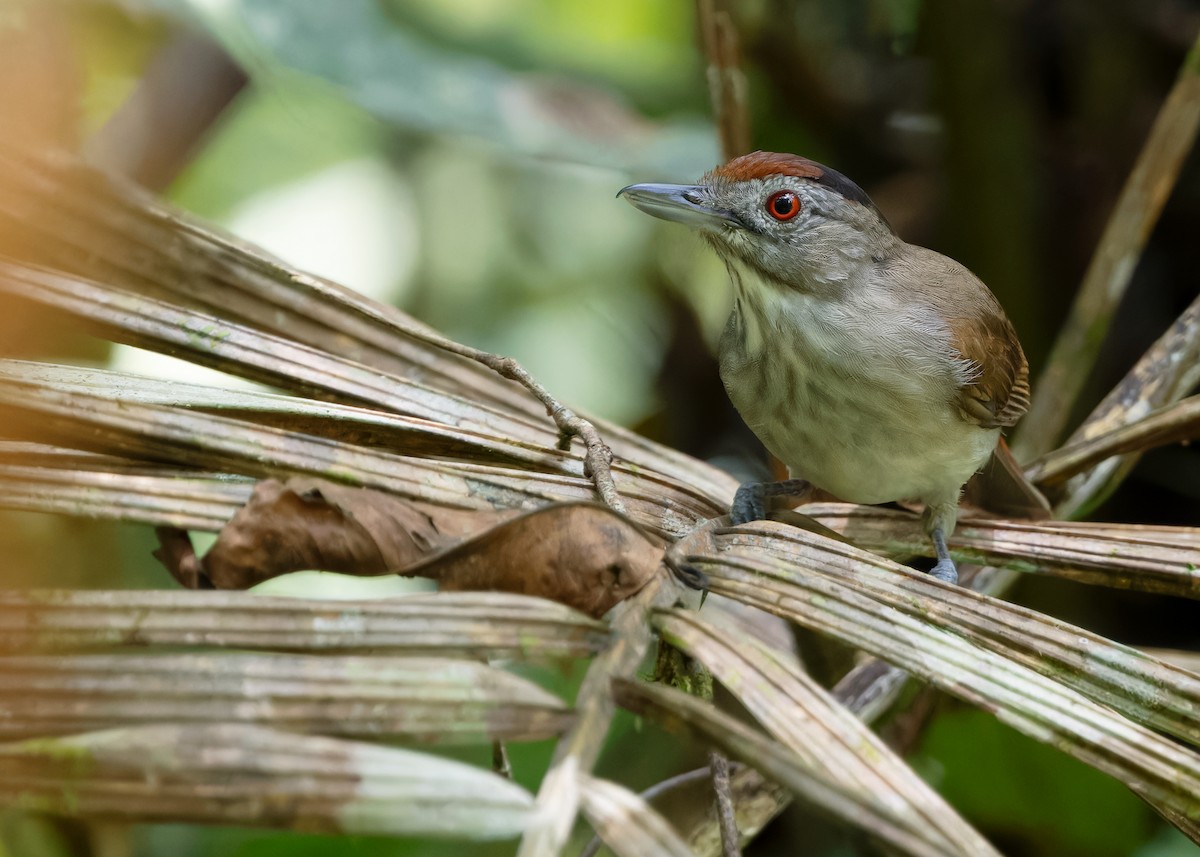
(783, 205)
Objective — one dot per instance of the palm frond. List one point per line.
(251, 775)
(375, 400)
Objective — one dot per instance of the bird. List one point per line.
(876, 370)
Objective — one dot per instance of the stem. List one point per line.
(726, 81)
(598, 457)
(719, 765)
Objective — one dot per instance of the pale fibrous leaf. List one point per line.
(1150, 558)
(41, 478)
(1131, 682)
(437, 700)
(41, 406)
(1174, 423)
(466, 624)
(1167, 372)
(200, 289)
(873, 814)
(559, 796)
(906, 631)
(252, 775)
(372, 401)
(437, 433)
(833, 743)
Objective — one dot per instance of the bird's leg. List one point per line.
(939, 522)
(749, 503)
(945, 569)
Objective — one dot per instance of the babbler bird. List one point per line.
(874, 369)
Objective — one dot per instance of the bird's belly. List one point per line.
(864, 438)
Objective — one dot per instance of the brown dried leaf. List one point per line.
(578, 554)
(178, 556)
(315, 524)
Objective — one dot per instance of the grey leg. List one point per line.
(945, 568)
(749, 503)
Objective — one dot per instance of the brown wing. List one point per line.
(999, 395)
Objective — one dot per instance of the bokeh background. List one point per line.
(459, 158)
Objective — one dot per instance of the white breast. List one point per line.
(854, 395)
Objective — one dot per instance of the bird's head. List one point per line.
(791, 220)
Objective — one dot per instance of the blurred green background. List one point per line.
(459, 158)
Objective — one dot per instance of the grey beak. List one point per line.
(681, 203)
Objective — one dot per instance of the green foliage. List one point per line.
(1018, 790)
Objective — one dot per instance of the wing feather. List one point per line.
(998, 395)
(994, 390)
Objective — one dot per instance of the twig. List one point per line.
(726, 80)
(870, 688)
(1137, 210)
(719, 765)
(892, 829)
(597, 459)
(1175, 423)
(687, 778)
(626, 823)
(500, 761)
(154, 134)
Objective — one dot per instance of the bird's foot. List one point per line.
(945, 571)
(749, 503)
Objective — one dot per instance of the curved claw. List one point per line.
(690, 576)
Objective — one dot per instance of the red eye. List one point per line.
(783, 205)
